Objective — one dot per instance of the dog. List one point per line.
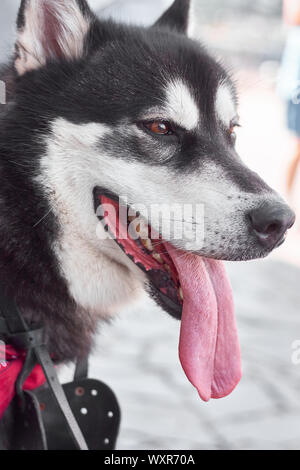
(103, 116)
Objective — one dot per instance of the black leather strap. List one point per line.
(15, 329)
(81, 369)
(59, 395)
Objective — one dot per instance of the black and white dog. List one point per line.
(97, 111)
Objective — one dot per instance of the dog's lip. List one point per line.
(98, 191)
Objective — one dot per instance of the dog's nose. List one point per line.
(270, 223)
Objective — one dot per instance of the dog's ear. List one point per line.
(176, 17)
(50, 30)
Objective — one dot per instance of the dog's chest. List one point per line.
(97, 282)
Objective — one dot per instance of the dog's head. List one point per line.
(147, 113)
(148, 116)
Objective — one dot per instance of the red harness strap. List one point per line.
(11, 363)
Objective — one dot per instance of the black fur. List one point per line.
(176, 17)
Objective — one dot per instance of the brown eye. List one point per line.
(159, 127)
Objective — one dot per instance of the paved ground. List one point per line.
(137, 355)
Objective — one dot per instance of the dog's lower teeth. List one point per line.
(180, 293)
(148, 244)
(143, 233)
(158, 258)
(167, 268)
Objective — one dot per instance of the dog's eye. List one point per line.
(159, 127)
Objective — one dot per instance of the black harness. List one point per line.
(81, 415)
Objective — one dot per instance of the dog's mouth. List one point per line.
(187, 286)
(150, 254)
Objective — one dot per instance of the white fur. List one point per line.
(181, 106)
(31, 41)
(70, 170)
(225, 106)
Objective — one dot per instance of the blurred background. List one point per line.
(137, 355)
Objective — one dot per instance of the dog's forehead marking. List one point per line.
(225, 105)
(181, 105)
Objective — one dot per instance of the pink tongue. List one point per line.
(209, 348)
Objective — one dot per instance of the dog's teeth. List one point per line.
(158, 258)
(147, 244)
(143, 233)
(180, 293)
(167, 268)
(142, 230)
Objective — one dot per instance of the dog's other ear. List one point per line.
(50, 30)
(176, 17)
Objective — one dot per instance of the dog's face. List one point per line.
(148, 115)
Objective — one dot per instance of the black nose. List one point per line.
(270, 223)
